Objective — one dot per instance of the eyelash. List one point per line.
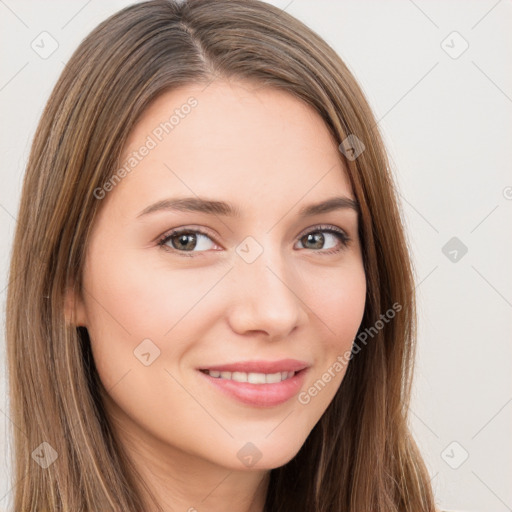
(340, 234)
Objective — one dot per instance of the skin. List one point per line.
(269, 154)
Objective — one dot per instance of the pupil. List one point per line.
(183, 240)
(320, 239)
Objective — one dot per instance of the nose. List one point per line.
(266, 297)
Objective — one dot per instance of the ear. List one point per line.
(74, 308)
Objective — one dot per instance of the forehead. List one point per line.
(232, 139)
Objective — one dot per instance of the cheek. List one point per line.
(339, 304)
(142, 300)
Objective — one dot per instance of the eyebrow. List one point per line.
(212, 207)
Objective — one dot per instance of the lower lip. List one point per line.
(260, 395)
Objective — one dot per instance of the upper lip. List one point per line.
(283, 365)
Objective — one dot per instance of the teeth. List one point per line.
(256, 378)
(273, 377)
(239, 376)
(252, 378)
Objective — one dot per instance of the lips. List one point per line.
(258, 383)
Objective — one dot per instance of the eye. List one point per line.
(318, 240)
(185, 240)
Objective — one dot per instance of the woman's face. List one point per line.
(266, 288)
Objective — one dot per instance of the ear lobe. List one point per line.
(74, 309)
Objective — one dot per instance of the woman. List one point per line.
(211, 299)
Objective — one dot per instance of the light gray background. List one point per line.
(447, 123)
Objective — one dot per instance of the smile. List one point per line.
(258, 383)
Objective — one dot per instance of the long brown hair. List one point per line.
(360, 456)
